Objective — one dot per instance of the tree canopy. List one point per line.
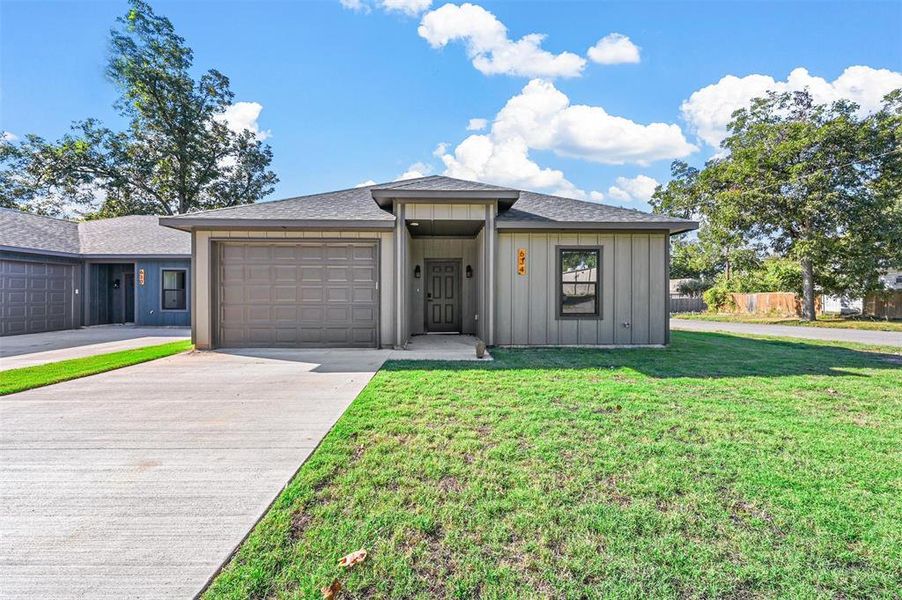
(177, 155)
(814, 183)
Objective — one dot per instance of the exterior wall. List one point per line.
(633, 290)
(443, 211)
(465, 249)
(149, 297)
(201, 296)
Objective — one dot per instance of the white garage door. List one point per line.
(304, 294)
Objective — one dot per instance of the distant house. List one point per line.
(372, 266)
(58, 274)
(845, 305)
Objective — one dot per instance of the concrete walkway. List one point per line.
(883, 338)
(39, 348)
(138, 483)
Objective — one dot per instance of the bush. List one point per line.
(692, 287)
(774, 275)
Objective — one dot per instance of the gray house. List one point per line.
(57, 274)
(373, 266)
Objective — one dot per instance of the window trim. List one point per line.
(163, 290)
(558, 282)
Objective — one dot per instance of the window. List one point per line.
(174, 297)
(578, 282)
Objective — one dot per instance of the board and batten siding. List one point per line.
(149, 297)
(633, 289)
(202, 275)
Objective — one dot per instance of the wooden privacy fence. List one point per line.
(784, 304)
(885, 305)
(684, 304)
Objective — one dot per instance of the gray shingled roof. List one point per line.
(138, 235)
(354, 204)
(133, 235)
(533, 207)
(440, 183)
(24, 230)
(357, 205)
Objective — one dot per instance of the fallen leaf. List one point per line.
(331, 591)
(353, 558)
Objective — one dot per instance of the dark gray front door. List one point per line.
(442, 296)
(303, 294)
(36, 297)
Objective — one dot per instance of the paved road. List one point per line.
(884, 338)
(39, 348)
(138, 483)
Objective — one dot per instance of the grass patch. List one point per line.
(26, 378)
(834, 322)
(721, 466)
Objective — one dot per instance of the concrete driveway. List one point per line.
(882, 338)
(138, 483)
(39, 348)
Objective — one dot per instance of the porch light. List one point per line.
(416, 271)
(469, 271)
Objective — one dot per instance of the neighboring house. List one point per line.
(58, 274)
(845, 305)
(372, 266)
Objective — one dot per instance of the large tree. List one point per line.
(814, 183)
(177, 154)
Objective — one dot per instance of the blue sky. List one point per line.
(362, 91)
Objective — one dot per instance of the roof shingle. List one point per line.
(137, 235)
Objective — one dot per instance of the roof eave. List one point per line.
(189, 224)
(672, 227)
(384, 198)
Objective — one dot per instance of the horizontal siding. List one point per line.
(632, 290)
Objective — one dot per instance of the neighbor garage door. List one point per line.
(300, 294)
(36, 297)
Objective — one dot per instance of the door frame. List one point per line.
(458, 317)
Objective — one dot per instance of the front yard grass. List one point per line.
(829, 321)
(721, 466)
(26, 378)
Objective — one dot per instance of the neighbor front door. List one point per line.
(442, 296)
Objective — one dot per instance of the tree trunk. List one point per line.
(808, 310)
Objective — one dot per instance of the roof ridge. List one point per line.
(30, 214)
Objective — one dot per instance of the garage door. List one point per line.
(35, 297)
(303, 294)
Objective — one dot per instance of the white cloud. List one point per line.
(477, 124)
(355, 5)
(614, 49)
(541, 117)
(440, 149)
(244, 115)
(408, 7)
(639, 188)
(8, 137)
(709, 110)
(417, 169)
(489, 47)
(366, 183)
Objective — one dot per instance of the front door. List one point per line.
(129, 296)
(442, 296)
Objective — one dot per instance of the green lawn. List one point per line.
(835, 322)
(26, 378)
(719, 467)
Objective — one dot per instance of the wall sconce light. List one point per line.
(416, 271)
(469, 271)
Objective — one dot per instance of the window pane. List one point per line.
(174, 299)
(173, 280)
(579, 282)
